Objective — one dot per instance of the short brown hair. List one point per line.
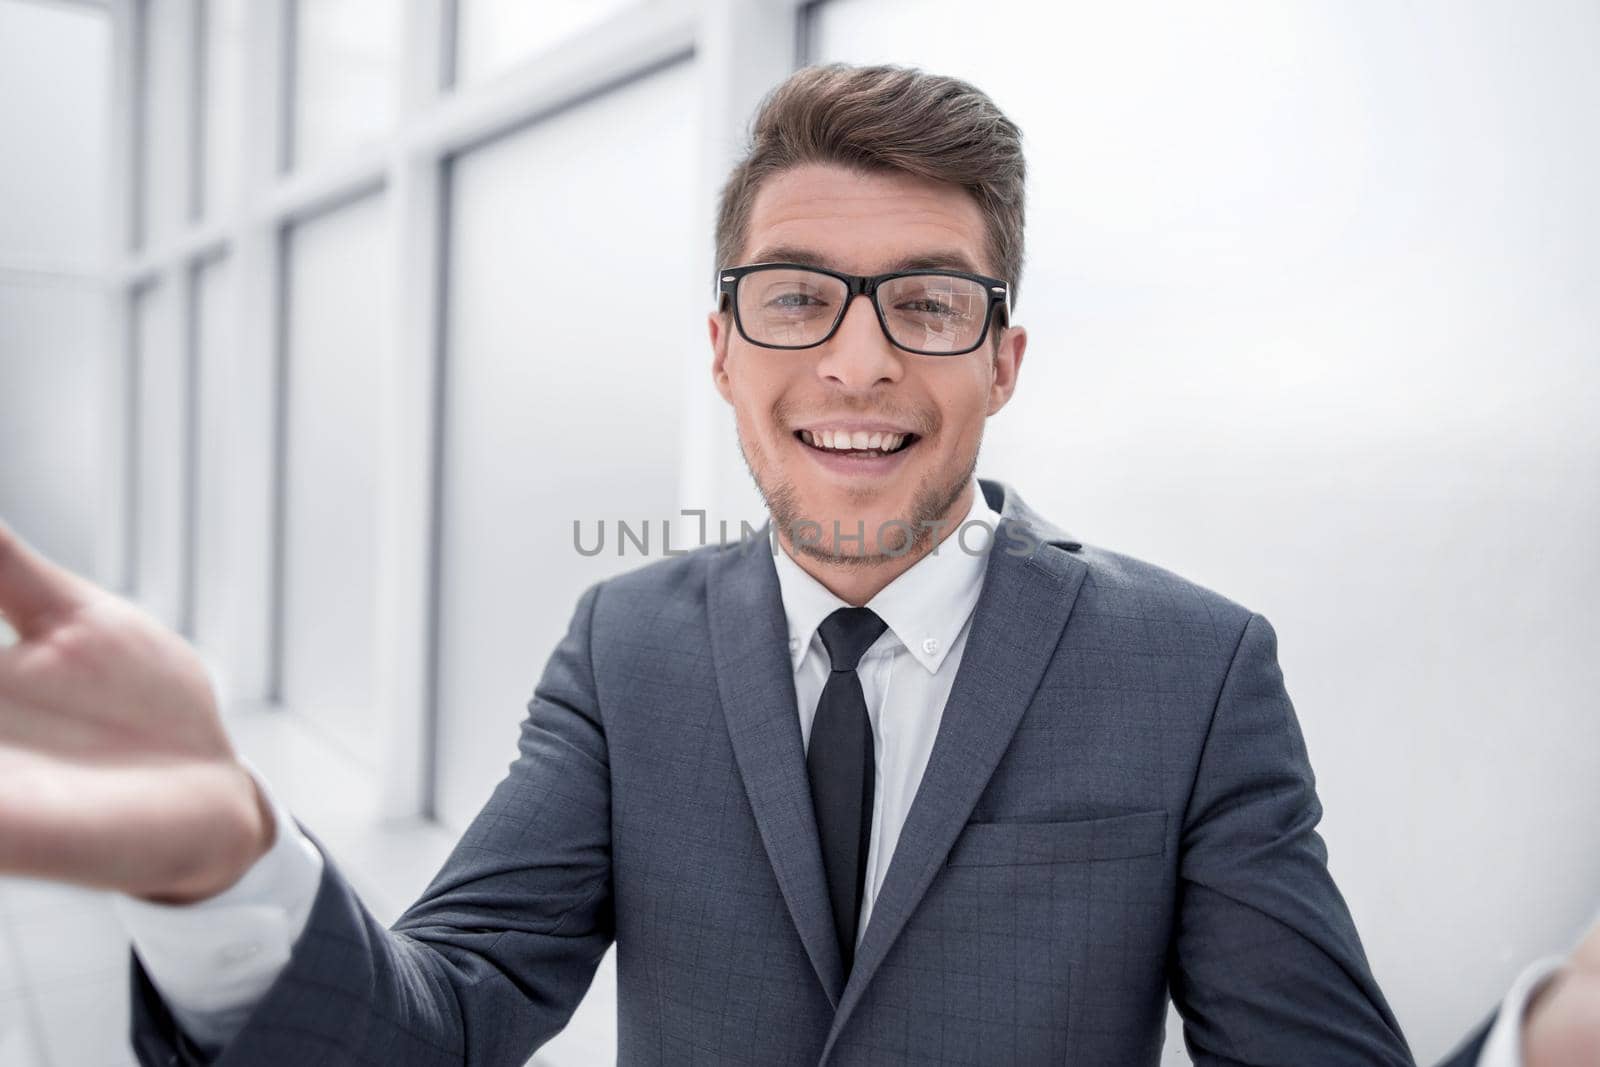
(885, 118)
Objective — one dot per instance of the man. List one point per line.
(921, 779)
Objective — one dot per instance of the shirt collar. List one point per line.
(925, 607)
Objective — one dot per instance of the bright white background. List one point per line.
(1313, 293)
(1314, 304)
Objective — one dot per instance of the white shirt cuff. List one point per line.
(1503, 1047)
(213, 961)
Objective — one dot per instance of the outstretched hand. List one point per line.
(115, 769)
(1562, 1028)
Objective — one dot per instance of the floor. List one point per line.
(64, 955)
(63, 952)
(64, 986)
(63, 978)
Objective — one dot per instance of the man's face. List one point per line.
(858, 381)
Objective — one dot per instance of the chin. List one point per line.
(884, 501)
(886, 514)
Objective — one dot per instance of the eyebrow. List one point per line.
(939, 259)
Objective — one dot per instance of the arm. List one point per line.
(1551, 1017)
(1497, 1043)
(494, 957)
(214, 960)
(1266, 966)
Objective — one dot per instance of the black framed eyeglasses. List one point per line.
(929, 312)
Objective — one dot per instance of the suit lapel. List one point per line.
(1016, 626)
(755, 679)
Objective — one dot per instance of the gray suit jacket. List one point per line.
(1118, 807)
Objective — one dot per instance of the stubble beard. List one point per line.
(909, 535)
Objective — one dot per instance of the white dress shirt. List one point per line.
(213, 961)
(905, 675)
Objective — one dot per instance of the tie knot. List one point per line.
(847, 634)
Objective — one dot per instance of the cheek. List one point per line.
(963, 402)
(744, 385)
(754, 390)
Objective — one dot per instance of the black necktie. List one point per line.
(841, 766)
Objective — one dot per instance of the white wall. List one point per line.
(1313, 298)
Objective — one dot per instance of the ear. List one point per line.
(1007, 365)
(717, 325)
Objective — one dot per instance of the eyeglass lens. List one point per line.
(930, 313)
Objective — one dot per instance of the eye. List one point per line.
(794, 300)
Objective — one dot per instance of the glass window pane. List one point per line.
(53, 179)
(213, 311)
(222, 104)
(164, 146)
(336, 316)
(492, 35)
(53, 349)
(544, 365)
(159, 473)
(346, 65)
(56, 360)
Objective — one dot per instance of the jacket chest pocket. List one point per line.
(994, 844)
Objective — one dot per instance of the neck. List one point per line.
(857, 583)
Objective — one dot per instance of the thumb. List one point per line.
(34, 592)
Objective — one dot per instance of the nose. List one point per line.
(858, 355)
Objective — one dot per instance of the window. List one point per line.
(334, 352)
(540, 370)
(212, 584)
(345, 76)
(495, 35)
(164, 146)
(159, 502)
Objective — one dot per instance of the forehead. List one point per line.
(865, 223)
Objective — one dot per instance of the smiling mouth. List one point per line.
(840, 443)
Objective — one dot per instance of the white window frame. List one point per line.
(740, 47)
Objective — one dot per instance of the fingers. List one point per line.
(34, 592)
(1586, 957)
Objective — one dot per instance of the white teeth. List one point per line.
(840, 440)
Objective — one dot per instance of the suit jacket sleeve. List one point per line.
(1266, 966)
(1470, 1052)
(494, 957)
